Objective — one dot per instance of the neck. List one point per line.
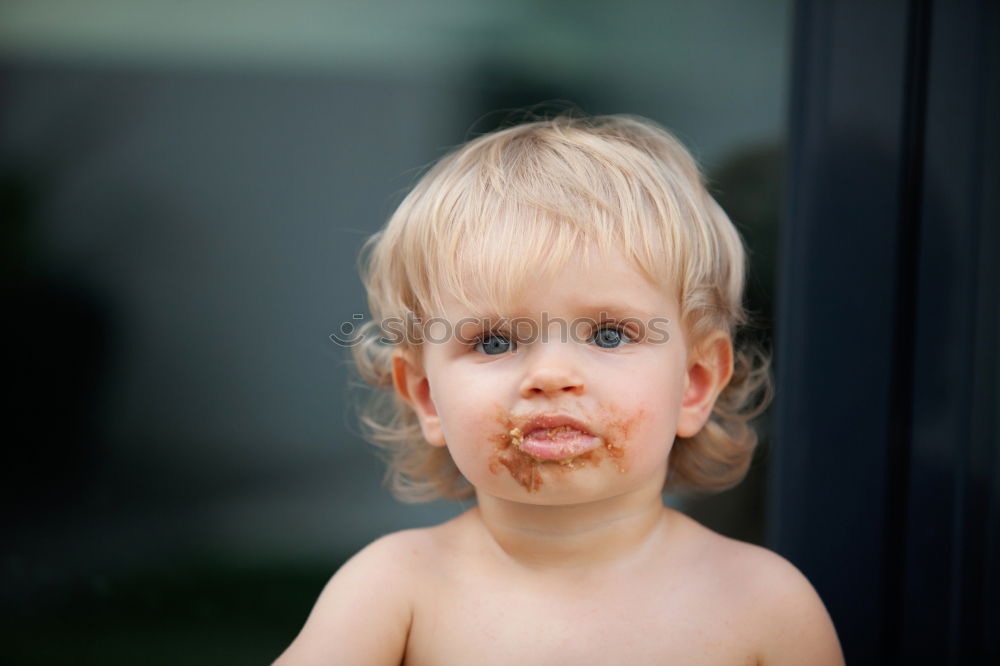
(577, 535)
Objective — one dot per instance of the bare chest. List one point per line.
(473, 620)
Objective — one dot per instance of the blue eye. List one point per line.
(609, 337)
(493, 344)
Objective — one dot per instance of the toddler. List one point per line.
(554, 309)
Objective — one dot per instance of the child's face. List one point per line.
(588, 413)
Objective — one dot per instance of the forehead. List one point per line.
(591, 281)
(494, 272)
(490, 256)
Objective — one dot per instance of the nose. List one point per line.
(551, 371)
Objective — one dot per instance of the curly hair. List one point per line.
(529, 196)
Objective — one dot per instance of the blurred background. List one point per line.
(185, 187)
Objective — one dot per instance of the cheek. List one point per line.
(469, 418)
(460, 415)
(653, 410)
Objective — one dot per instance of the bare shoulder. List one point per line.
(363, 614)
(770, 594)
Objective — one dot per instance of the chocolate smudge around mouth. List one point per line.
(527, 470)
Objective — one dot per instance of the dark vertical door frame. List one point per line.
(884, 483)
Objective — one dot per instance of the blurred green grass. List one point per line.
(198, 612)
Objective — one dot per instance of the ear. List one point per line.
(710, 367)
(413, 387)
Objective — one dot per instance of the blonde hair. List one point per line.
(533, 195)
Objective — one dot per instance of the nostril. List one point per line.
(551, 374)
(535, 387)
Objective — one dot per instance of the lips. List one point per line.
(553, 437)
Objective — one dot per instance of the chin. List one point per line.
(556, 485)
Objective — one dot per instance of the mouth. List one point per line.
(554, 437)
